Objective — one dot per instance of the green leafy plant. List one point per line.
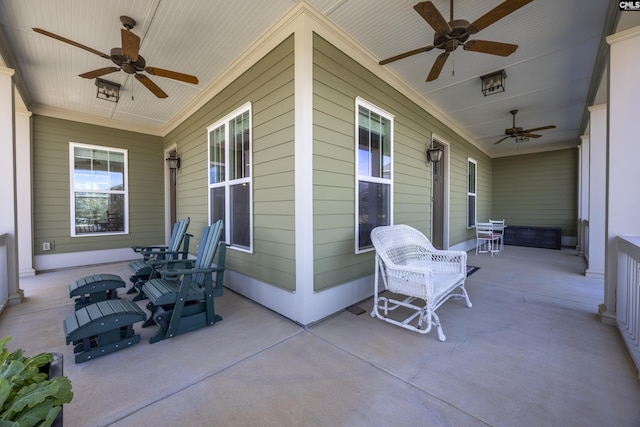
(27, 397)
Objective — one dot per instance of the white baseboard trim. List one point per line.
(279, 300)
(467, 245)
(336, 298)
(321, 305)
(80, 259)
(28, 272)
(470, 245)
(594, 274)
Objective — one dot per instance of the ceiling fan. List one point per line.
(127, 58)
(518, 132)
(449, 35)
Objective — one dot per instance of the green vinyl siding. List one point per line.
(337, 81)
(269, 86)
(51, 185)
(537, 190)
(458, 231)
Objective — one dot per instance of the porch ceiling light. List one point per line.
(107, 90)
(493, 83)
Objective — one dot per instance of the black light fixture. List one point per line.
(107, 90)
(173, 160)
(521, 139)
(493, 83)
(434, 154)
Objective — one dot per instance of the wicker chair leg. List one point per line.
(466, 296)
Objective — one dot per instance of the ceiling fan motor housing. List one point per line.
(118, 58)
(458, 35)
(127, 22)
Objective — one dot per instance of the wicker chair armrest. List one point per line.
(450, 261)
(413, 269)
(449, 252)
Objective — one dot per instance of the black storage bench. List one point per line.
(534, 237)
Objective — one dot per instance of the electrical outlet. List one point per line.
(46, 246)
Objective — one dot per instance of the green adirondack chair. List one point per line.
(143, 268)
(182, 298)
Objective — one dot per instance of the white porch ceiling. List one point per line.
(548, 77)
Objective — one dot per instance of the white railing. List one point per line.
(628, 294)
(4, 274)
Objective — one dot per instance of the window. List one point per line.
(472, 180)
(99, 200)
(374, 160)
(230, 196)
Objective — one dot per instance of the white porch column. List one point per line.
(623, 152)
(304, 170)
(583, 197)
(10, 292)
(597, 190)
(23, 193)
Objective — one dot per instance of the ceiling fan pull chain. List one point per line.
(453, 63)
(132, 89)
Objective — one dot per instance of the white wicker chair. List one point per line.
(409, 265)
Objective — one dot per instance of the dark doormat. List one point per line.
(471, 269)
(355, 310)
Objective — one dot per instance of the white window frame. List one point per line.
(472, 195)
(227, 183)
(73, 189)
(367, 178)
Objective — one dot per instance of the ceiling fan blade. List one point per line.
(495, 14)
(492, 48)
(406, 54)
(500, 140)
(99, 72)
(149, 84)
(172, 75)
(541, 128)
(130, 44)
(430, 13)
(71, 42)
(437, 66)
(529, 135)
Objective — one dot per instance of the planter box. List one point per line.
(55, 369)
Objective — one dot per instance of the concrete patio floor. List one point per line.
(530, 352)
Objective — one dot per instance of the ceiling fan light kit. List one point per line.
(126, 58)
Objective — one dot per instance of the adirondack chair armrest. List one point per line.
(165, 253)
(149, 253)
(172, 264)
(147, 248)
(190, 271)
